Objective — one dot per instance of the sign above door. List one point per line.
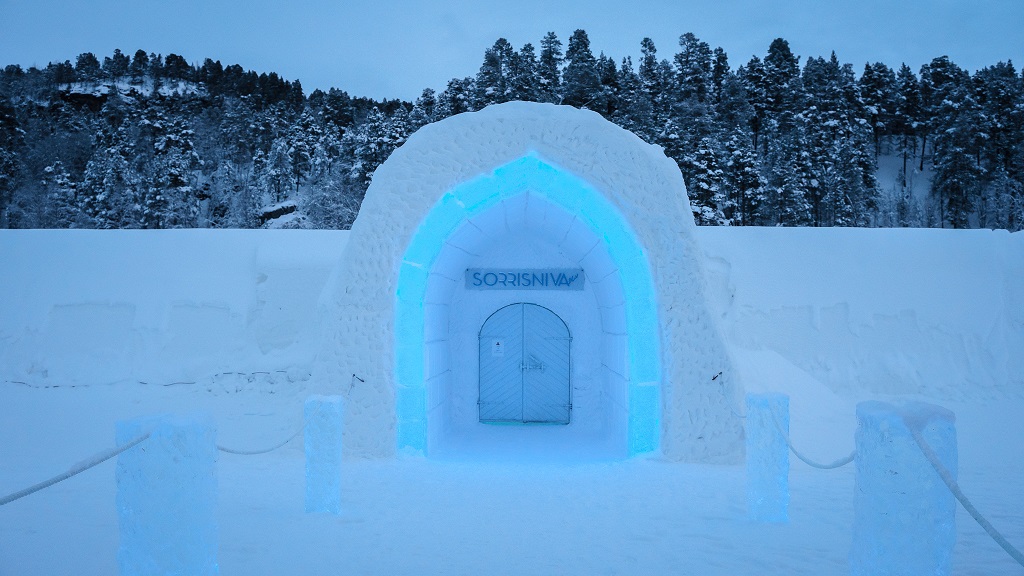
(525, 279)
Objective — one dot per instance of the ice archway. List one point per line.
(527, 195)
(493, 185)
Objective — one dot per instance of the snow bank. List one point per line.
(95, 307)
(892, 311)
(933, 312)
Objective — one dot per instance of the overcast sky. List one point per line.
(394, 49)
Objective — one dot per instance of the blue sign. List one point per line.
(524, 279)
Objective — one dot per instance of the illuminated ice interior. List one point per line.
(527, 213)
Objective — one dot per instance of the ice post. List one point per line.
(768, 457)
(904, 515)
(167, 497)
(323, 454)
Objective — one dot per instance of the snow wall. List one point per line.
(932, 313)
(938, 313)
(539, 187)
(229, 308)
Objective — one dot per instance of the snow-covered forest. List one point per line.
(151, 141)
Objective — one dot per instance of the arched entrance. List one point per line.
(529, 186)
(506, 266)
(524, 367)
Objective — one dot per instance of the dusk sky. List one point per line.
(395, 49)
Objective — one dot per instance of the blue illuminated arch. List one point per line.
(577, 197)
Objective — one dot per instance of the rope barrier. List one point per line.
(264, 451)
(830, 466)
(102, 457)
(947, 478)
(274, 447)
(74, 470)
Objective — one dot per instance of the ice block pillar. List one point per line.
(323, 453)
(768, 457)
(904, 516)
(167, 497)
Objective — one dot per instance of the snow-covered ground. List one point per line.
(96, 327)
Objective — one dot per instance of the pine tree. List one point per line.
(1000, 94)
(719, 72)
(608, 101)
(304, 135)
(790, 177)
(211, 74)
(277, 178)
(424, 111)
(706, 187)
(653, 82)
(61, 201)
(376, 140)
(634, 112)
(835, 134)
(906, 119)
(455, 99)
(523, 76)
(165, 165)
(175, 180)
(493, 84)
(670, 138)
(694, 121)
(939, 79)
(177, 68)
(782, 77)
(156, 71)
(746, 185)
(139, 66)
(878, 93)
(733, 110)
(109, 195)
(694, 68)
(958, 176)
(11, 141)
(755, 84)
(582, 85)
(549, 69)
(793, 208)
(338, 110)
(116, 67)
(87, 67)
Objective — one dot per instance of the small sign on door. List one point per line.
(497, 348)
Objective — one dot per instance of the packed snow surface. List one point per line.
(102, 327)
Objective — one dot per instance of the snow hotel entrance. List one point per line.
(527, 283)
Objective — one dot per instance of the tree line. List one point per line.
(151, 141)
